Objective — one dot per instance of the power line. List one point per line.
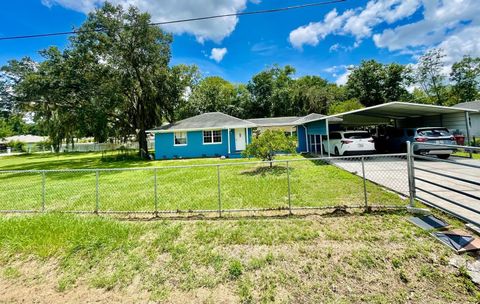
(267, 11)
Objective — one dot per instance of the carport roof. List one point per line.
(400, 110)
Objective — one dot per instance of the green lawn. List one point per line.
(465, 154)
(376, 257)
(312, 184)
(356, 258)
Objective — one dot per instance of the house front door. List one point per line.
(240, 143)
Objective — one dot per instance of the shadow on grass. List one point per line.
(275, 170)
(334, 212)
(316, 162)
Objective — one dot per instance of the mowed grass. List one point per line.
(312, 184)
(465, 154)
(357, 258)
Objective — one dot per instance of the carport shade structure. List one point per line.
(405, 114)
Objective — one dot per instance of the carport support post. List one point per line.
(467, 124)
(364, 182)
(410, 172)
(328, 137)
(219, 192)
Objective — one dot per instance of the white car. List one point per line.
(350, 143)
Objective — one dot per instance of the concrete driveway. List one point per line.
(391, 172)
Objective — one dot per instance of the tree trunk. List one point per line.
(142, 136)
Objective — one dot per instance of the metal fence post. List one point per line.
(411, 174)
(97, 193)
(155, 190)
(289, 190)
(219, 192)
(364, 183)
(43, 191)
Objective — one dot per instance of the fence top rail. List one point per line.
(241, 163)
(447, 145)
(447, 161)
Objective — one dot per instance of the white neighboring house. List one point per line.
(474, 117)
(29, 140)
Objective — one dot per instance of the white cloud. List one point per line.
(165, 10)
(358, 22)
(217, 54)
(264, 48)
(343, 78)
(312, 33)
(339, 72)
(451, 25)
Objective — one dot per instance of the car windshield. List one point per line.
(433, 132)
(357, 135)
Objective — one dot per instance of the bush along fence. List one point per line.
(307, 183)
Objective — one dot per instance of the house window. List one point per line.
(180, 138)
(212, 137)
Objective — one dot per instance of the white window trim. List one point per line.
(212, 143)
(186, 139)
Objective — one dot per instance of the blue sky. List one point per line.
(320, 41)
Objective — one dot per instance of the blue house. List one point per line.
(217, 134)
(311, 130)
(206, 135)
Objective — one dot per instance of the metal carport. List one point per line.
(405, 114)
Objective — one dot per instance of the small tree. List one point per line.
(268, 144)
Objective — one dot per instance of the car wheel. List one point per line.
(443, 156)
(337, 152)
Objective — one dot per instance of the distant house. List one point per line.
(217, 134)
(474, 117)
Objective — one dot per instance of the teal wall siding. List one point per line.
(165, 149)
(317, 127)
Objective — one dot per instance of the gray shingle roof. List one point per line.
(212, 120)
(313, 117)
(473, 105)
(274, 121)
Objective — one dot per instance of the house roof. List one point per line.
(275, 121)
(205, 121)
(314, 117)
(472, 105)
(28, 138)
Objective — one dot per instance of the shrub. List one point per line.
(17, 145)
(44, 145)
(267, 144)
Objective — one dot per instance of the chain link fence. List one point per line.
(282, 185)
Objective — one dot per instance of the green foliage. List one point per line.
(429, 75)
(212, 94)
(312, 94)
(5, 129)
(270, 142)
(235, 269)
(344, 106)
(466, 78)
(270, 90)
(375, 83)
(17, 145)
